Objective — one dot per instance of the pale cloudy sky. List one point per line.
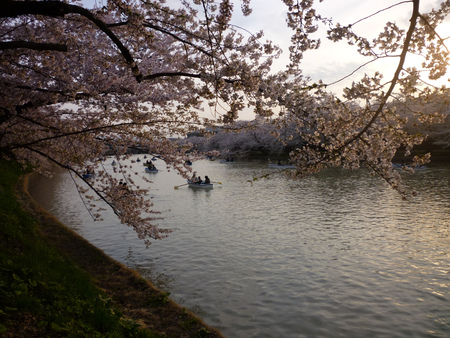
(333, 60)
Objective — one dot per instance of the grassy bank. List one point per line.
(54, 283)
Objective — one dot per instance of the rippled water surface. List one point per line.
(339, 254)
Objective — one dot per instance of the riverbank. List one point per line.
(55, 283)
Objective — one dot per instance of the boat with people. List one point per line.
(196, 182)
(151, 169)
(227, 160)
(407, 166)
(148, 163)
(200, 185)
(281, 166)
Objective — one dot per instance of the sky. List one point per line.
(333, 60)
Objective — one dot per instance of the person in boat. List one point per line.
(150, 165)
(207, 180)
(89, 172)
(194, 177)
(199, 180)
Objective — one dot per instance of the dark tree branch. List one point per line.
(33, 45)
(13, 9)
(173, 74)
(117, 24)
(170, 74)
(176, 37)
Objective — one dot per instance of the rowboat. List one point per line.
(402, 166)
(87, 176)
(153, 170)
(201, 185)
(281, 166)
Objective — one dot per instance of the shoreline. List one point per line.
(127, 289)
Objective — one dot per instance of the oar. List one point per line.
(216, 182)
(177, 186)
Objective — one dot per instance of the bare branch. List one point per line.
(378, 12)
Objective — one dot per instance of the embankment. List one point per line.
(55, 283)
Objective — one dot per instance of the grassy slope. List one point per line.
(54, 283)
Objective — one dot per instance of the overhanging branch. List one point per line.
(409, 34)
(13, 9)
(33, 45)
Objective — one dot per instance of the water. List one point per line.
(339, 254)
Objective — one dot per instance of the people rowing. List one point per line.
(198, 180)
(150, 165)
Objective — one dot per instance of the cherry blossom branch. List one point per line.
(90, 130)
(14, 9)
(51, 159)
(395, 78)
(434, 31)
(359, 68)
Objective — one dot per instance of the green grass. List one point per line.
(41, 291)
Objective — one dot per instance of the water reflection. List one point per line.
(337, 254)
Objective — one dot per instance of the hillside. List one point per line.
(55, 283)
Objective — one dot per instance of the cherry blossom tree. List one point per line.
(361, 126)
(77, 83)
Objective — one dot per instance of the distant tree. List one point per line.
(416, 111)
(439, 134)
(243, 139)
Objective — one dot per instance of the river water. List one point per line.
(339, 254)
